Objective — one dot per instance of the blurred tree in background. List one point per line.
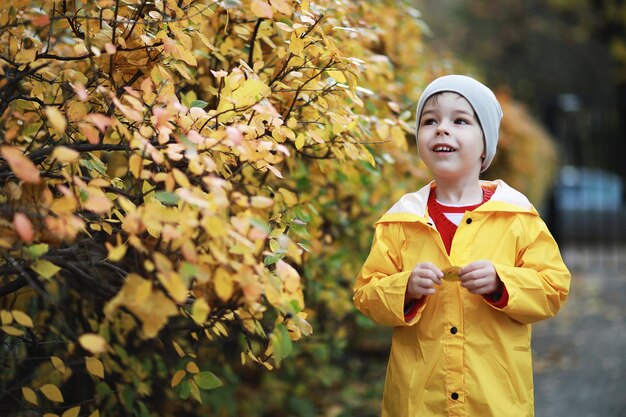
(188, 188)
(563, 59)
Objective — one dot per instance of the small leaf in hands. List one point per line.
(451, 273)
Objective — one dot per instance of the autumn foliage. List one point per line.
(187, 189)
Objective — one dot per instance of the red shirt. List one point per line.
(447, 229)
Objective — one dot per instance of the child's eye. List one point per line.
(430, 121)
(461, 122)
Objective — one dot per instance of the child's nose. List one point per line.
(442, 129)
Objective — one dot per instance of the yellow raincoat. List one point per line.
(460, 355)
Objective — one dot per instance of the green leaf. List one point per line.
(199, 103)
(281, 343)
(260, 224)
(188, 271)
(272, 259)
(36, 250)
(207, 380)
(166, 197)
(185, 390)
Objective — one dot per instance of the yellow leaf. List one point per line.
(249, 92)
(22, 318)
(65, 155)
(261, 9)
(72, 412)
(29, 395)
(25, 56)
(300, 141)
(21, 166)
(223, 282)
(192, 368)
(135, 164)
(95, 367)
(178, 376)
(95, 414)
(6, 317)
(58, 364)
(200, 311)
(261, 202)
(115, 252)
(338, 76)
(77, 110)
(174, 285)
(291, 199)
(153, 311)
(179, 350)
(52, 393)
(63, 205)
(56, 119)
(214, 226)
(12, 331)
(195, 391)
(50, 415)
(93, 343)
(45, 268)
(296, 45)
(181, 178)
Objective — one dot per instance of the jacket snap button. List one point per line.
(468, 221)
(453, 330)
(455, 396)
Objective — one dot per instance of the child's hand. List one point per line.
(422, 281)
(481, 278)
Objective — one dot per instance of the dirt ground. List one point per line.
(580, 355)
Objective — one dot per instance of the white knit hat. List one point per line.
(482, 100)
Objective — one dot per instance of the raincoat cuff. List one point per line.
(500, 302)
(412, 307)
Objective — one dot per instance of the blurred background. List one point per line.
(566, 62)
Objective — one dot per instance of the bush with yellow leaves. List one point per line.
(187, 188)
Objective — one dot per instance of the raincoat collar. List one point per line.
(413, 207)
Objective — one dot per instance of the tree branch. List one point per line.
(252, 41)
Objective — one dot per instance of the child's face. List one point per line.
(450, 138)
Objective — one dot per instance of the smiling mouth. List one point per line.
(442, 148)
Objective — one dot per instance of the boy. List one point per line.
(460, 268)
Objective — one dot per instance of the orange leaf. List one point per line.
(21, 166)
(90, 132)
(41, 20)
(23, 227)
(262, 9)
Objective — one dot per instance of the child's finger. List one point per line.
(430, 266)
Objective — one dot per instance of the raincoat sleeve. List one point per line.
(381, 284)
(538, 284)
